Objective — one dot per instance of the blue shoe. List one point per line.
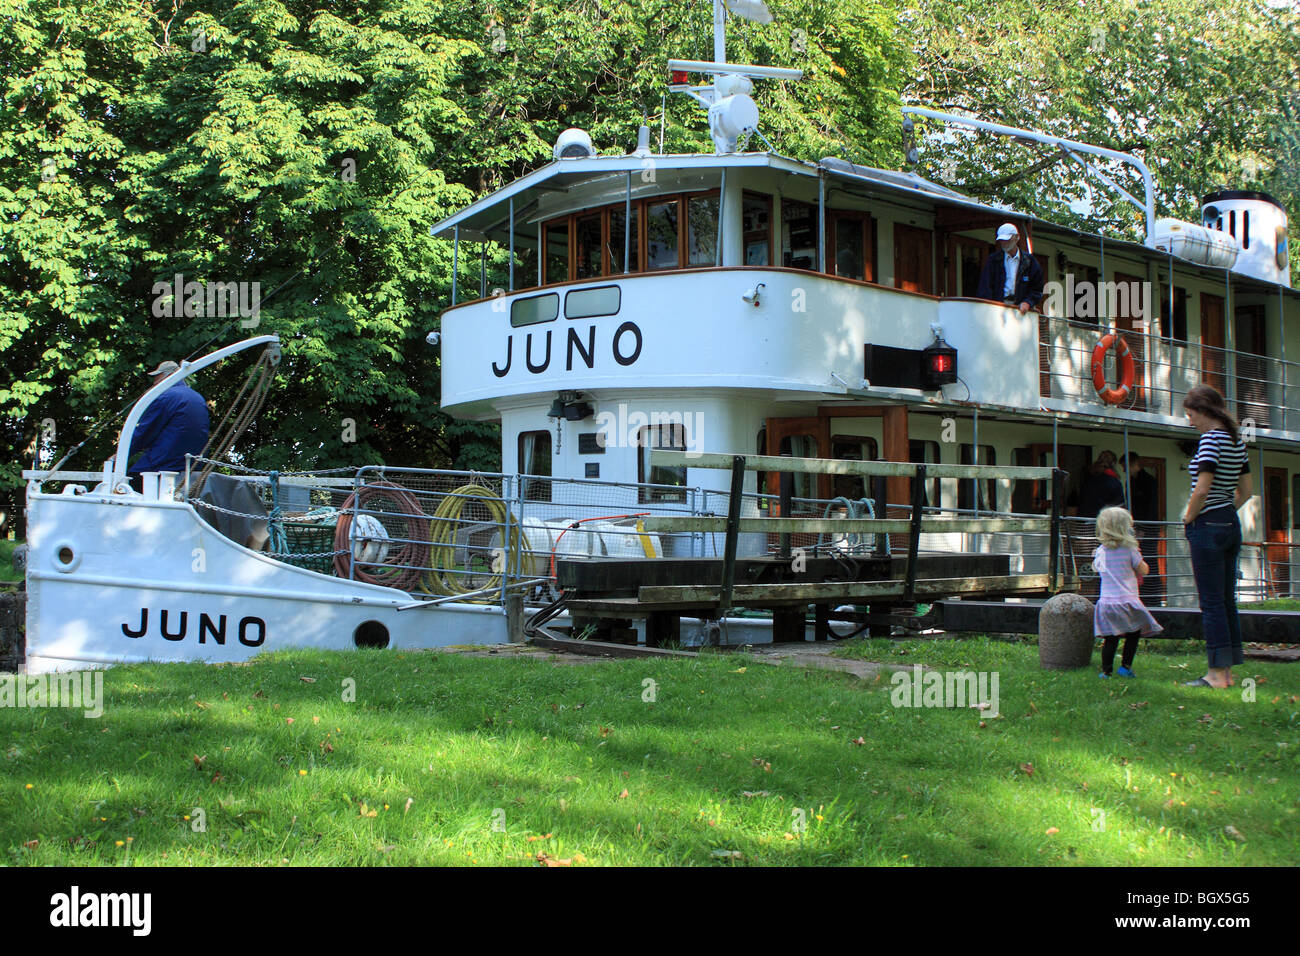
(1125, 672)
(1104, 676)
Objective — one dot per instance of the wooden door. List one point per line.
(1252, 366)
(1277, 551)
(1132, 324)
(1213, 366)
(913, 259)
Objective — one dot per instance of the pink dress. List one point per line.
(1120, 610)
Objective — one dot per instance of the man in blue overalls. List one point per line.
(1010, 275)
(173, 426)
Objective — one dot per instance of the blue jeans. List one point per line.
(1214, 539)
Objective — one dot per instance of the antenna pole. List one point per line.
(719, 32)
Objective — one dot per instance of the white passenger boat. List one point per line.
(739, 302)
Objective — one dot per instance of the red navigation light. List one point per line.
(679, 77)
(938, 364)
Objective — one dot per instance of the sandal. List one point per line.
(1199, 682)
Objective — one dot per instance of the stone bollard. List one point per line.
(1065, 636)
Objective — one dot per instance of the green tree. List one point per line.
(307, 148)
(1198, 91)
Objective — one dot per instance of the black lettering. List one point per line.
(243, 631)
(510, 347)
(174, 637)
(528, 357)
(144, 624)
(586, 353)
(619, 357)
(206, 627)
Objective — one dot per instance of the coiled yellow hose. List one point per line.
(443, 526)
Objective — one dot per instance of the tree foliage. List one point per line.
(1203, 93)
(307, 147)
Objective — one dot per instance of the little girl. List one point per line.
(1119, 609)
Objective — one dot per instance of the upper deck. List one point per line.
(638, 272)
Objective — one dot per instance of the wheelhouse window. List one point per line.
(663, 238)
(668, 232)
(617, 237)
(851, 243)
(673, 438)
(702, 230)
(557, 252)
(798, 234)
(587, 247)
(756, 229)
(535, 460)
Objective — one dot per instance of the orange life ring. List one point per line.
(1112, 396)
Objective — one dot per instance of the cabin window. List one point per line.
(534, 309)
(587, 247)
(852, 448)
(702, 230)
(849, 249)
(798, 234)
(617, 218)
(851, 245)
(1245, 229)
(924, 452)
(1232, 223)
(535, 460)
(988, 487)
(662, 235)
(756, 228)
(673, 438)
(557, 252)
(590, 303)
(1173, 326)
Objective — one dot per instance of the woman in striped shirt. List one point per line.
(1220, 476)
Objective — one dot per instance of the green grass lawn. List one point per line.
(450, 759)
(7, 572)
(1273, 604)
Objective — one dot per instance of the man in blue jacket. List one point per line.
(173, 426)
(1010, 275)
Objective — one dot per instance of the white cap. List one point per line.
(1008, 231)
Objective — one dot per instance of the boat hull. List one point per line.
(113, 580)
